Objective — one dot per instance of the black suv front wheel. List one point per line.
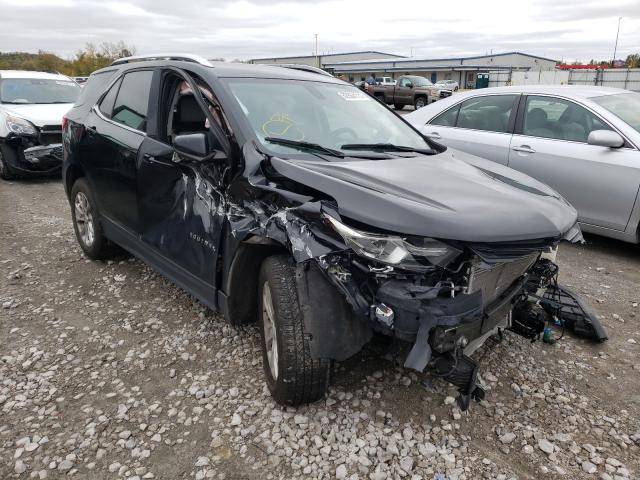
(292, 375)
(6, 172)
(86, 223)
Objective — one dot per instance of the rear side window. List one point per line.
(490, 113)
(447, 118)
(106, 105)
(132, 101)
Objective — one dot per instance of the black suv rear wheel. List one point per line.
(292, 375)
(86, 223)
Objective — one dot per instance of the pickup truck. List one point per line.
(408, 90)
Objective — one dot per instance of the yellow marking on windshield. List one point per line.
(281, 126)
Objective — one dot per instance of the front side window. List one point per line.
(22, 91)
(132, 102)
(328, 114)
(625, 106)
(404, 82)
(490, 113)
(559, 119)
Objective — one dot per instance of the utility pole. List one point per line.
(615, 49)
(317, 59)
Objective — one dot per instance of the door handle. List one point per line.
(152, 159)
(524, 148)
(435, 135)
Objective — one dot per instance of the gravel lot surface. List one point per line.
(108, 371)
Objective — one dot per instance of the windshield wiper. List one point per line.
(385, 147)
(305, 146)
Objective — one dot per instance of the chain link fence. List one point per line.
(627, 78)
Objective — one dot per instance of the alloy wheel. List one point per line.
(269, 326)
(84, 219)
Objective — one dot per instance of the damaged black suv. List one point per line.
(296, 200)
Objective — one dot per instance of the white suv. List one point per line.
(32, 105)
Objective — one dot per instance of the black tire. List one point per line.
(6, 154)
(420, 102)
(398, 107)
(298, 379)
(100, 248)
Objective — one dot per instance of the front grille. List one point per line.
(50, 134)
(494, 279)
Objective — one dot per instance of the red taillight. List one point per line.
(65, 122)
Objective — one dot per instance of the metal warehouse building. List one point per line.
(323, 60)
(356, 66)
(462, 69)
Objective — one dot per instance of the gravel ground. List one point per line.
(108, 371)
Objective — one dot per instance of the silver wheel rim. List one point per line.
(84, 219)
(1, 164)
(269, 327)
(420, 103)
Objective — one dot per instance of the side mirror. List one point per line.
(605, 138)
(408, 85)
(192, 144)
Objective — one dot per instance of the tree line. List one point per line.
(632, 61)
(85, 61)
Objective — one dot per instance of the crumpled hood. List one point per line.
(40, 114)
(451, 195)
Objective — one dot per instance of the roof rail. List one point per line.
(302, 67)
(185, 57)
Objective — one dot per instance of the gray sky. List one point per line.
(560, 29)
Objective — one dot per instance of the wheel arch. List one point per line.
(71, 175)
(241, 282)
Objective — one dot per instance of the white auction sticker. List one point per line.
(352, 96)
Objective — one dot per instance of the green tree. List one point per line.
(632, 61)
(85, 61)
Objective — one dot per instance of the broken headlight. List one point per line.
(20, 126)
(395, 250)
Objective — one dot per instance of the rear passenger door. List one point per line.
(550, 144)
(480, 125)
(115, 130)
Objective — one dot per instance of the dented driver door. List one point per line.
(181, 210)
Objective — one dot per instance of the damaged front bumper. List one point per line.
(34, 155)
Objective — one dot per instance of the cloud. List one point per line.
(570, 29)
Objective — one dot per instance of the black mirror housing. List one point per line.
(409, 85)
(194, 144)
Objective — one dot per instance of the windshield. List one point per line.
(38, 90)
(625, 106)
(327, 114)
(420, 81)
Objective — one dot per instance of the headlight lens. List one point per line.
(394, 250)
(20, 126)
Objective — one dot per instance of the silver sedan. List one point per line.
(583, 141)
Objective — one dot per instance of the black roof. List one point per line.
(232, 70)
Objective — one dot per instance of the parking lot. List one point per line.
(109, 371)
